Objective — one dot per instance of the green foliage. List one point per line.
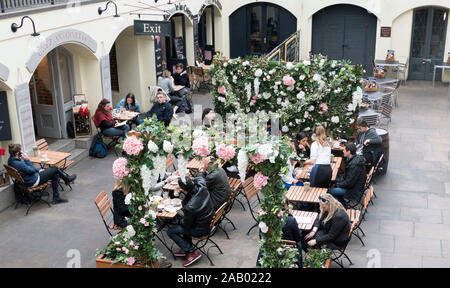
(316, 258)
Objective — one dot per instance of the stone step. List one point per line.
(78, 155)
(83, 143)
(63, 145)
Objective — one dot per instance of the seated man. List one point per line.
(352, 185)
(368, 142)
(198, 212)
(181, 78)
(216, 182)
(162, 109)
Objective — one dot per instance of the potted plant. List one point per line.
(318, 258)
(36, 151)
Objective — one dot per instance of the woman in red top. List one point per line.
(104, 120)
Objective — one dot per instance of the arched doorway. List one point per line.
(256, 29)
(207, 34)
(427, 42)
(345, 32)
(52, 87)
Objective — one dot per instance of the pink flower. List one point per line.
(119, 168)
(225, 153)
(255, 97)
(130, 261)
(133, 146)
(324, 108)
(361, 81)
(256, 158)
(136, 247)
(221, 90)
(142, 221)
(118, 249)
(288, 80)
(127, 251)
(262, 213)
(131, 243)
(290, 124)
(200, 146)
(280, 214)
(298, 89)
(187, 148)
(268, 77)
(259, 180)
(124, 248)
(146, 224)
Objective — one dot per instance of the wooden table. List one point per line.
(126, 116)
(302, 224)
(167, 215)
(335, 164)
(195, 163)
(54, 157)
(298, 194)
(178, 87)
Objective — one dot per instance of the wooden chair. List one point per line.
(30, 195)
(42, 144)
(103, 205)
(339, 253)
(113, 140)
(253, 200)
(385, 118)
(236, 186)
(378, 168)
(170, 163)
(203, 241)
(357, 216)
(371, 120)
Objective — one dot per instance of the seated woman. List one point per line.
(302, 146)
(119, 207)
(291, 179)
(321, 158)
(33, 177)
(332, 227)
(208, 117)
(166, 83)
(104, 120)
(131, 104)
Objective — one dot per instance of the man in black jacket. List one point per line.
(181, 78)
(198, 212)
(216, 182)
(352, 186)
(162, 109)
(369, 143)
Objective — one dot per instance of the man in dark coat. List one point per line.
(369, 142)
(181, 78)
(216, 182)
(198, 212)
(162, 109)
(351, 187)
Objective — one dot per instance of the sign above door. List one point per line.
(152, 28)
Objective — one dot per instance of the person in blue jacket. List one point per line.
(130, 104)
(162, 109)
(33, 176)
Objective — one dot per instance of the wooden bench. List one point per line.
(31, 195)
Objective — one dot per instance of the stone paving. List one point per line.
(409, 225)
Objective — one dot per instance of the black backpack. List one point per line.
(98, 148)
(186, 105)
(70, 131)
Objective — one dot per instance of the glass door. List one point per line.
(263, 28)
(428, 42)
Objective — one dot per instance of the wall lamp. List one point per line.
(100, 10)
(14, 26)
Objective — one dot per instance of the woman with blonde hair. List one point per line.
(332, 227)
(320, 157)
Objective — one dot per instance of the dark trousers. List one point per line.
(53, 174)
(183, 237)
(321, 176)
(176, 100)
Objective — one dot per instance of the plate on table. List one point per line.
(45, 160)
(171, 209)
(155, 198)
(342, 140)
(166, 202)
(176, 202)
(174, 182)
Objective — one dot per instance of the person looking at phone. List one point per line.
(33, 176)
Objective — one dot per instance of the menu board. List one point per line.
(158, 57)
(5, 124)
(25, 116)
(179, 47)
(196, 44)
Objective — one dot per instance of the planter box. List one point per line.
(103, 263)
(327, 263)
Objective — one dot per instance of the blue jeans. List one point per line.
(182, 236)
(289, 185)
(338, 193)
(119, 131)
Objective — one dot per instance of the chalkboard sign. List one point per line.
(290, 50)
(158, 57)
(179, 47)
(5, 125)
(196, 45)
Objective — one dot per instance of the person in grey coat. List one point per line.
(216, 182)
(368, 142)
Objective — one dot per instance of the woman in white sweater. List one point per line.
(320, 157)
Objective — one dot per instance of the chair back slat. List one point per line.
(13, 173)
(378, 163)
(42, 144)
(368, 197)
(169, 162)
(249, 190)
(103, 203)
(288, 243)
(234, 184)
(217, 215)
(369, 177)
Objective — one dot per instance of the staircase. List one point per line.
(79, 148)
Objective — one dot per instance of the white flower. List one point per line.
(337, 91)
(302, 77)
(307, 129)
(263, 227)
(278, 83)
(167, 146)
(351, 107)
(198, 133)
(246, 63)
(311, 108)
(256, 84)
(140, 208)
(131, 231)
(285, 103)
(291, 88)
(285, 129)
(248, 88)
(282, 93)
(182, 166)
(221, 99)
(322, 61)
(235, 79)
(272, 71)
(152, 214)
(280, 251)
(225, 64)
(128, 198)
(265, 150)
(146, 177)
(279, 101)
(152, 147)
(258, 72)
(266, 95)
(306, 62)
(301, 95)
(214, 81)
(333, 64)
(317, 77)
(297, 121)
(242, 164)
(306, 115)
(351, 121)
(335, 119)
(289, 65)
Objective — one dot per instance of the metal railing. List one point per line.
(288, 50)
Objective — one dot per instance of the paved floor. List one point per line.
(409, 225)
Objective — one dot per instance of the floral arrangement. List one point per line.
(302, 94)
(147, 148)
(269, 160)
(316, 258)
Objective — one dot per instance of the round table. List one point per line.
(373, 96)
(367, 113)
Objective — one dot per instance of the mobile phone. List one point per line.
(20, 154)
